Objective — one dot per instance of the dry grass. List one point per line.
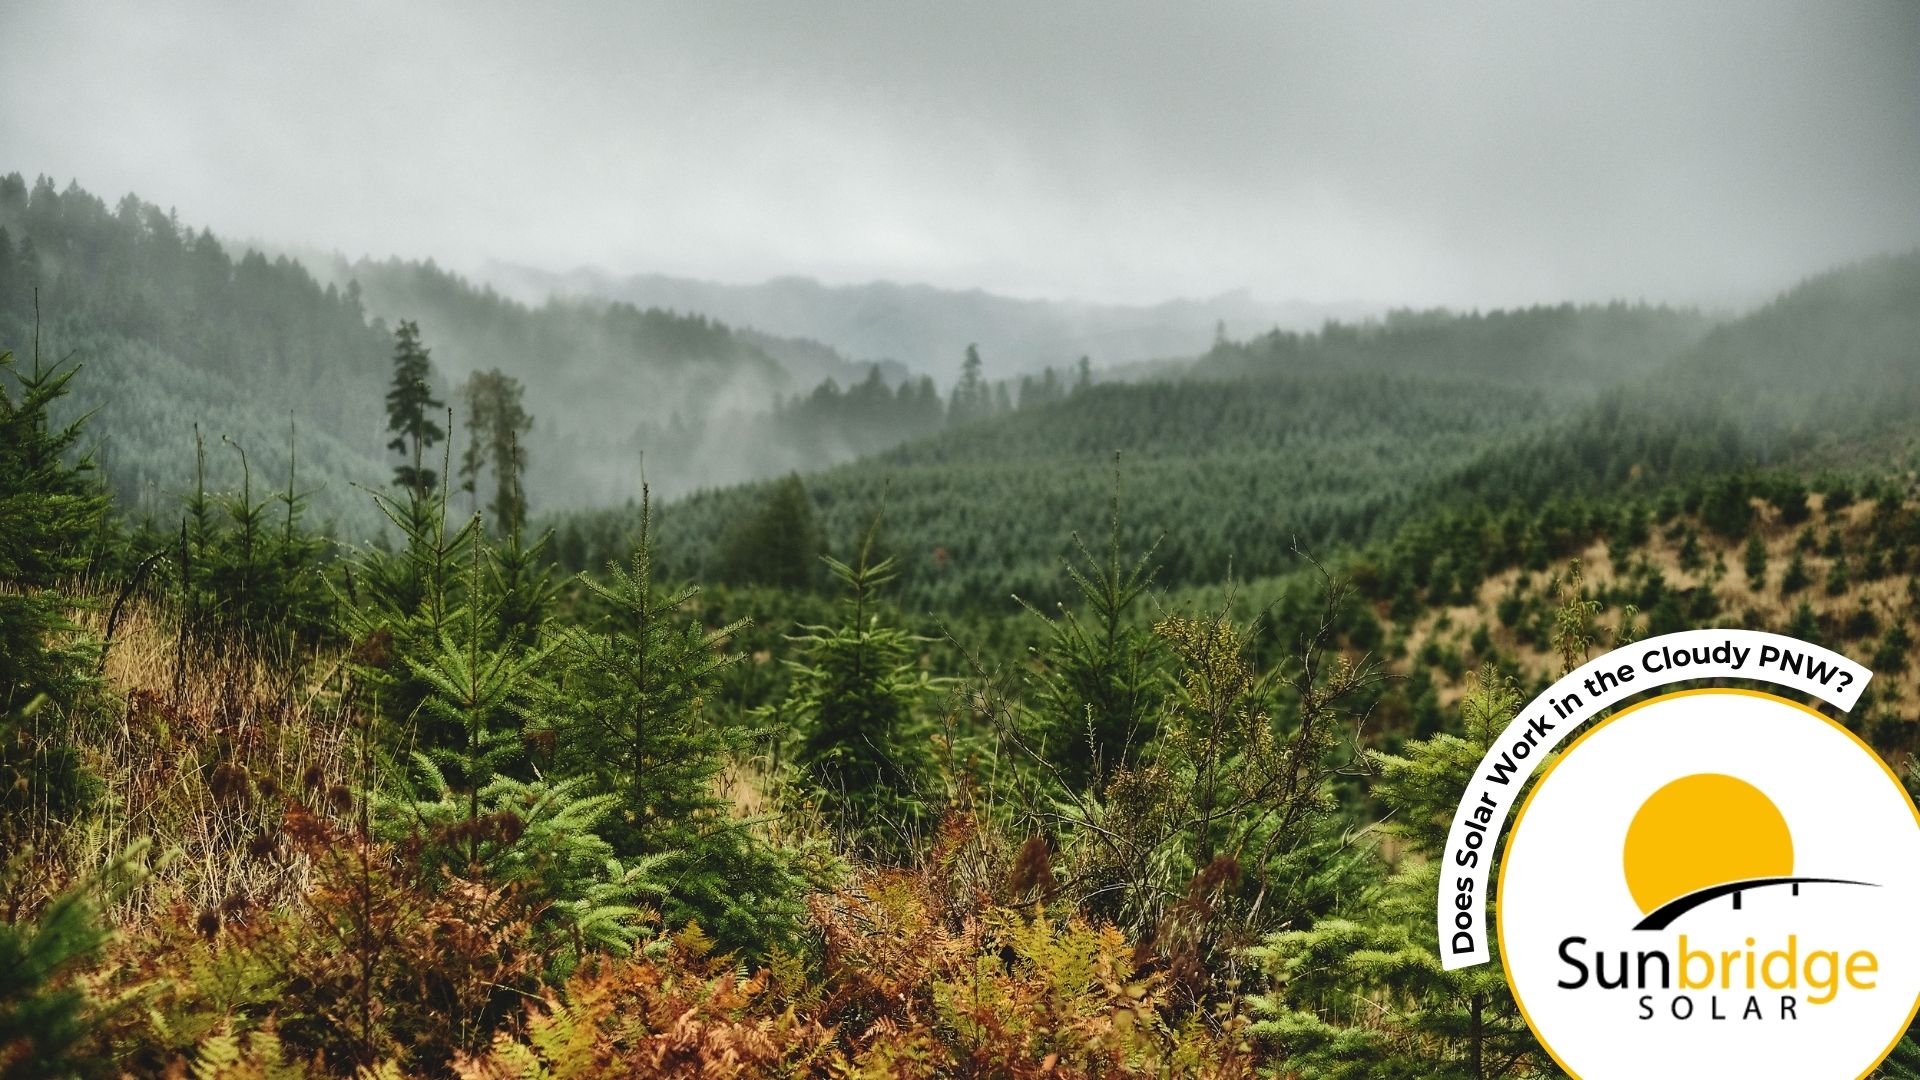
(196, 755)
(1454, 626)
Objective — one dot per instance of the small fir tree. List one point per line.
(1804, 625)
(779, 545)
(1101, 682)
(402, 606)
(1894, 654)
(1756, 562)
(855, 690)
(1362, 995)
(635, 725)
(1796, 577)
(50, 511)
(1838, 579)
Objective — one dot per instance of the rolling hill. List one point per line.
(1335, 438)
(178, 329)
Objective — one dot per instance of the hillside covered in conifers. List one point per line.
(990, 752)
(1339, 438)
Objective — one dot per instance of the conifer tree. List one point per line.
(50, 510)
(496, 419)
(1233, 800)
(854, 694)
(1791, 497)
(472, 805)
(253, 577)
(1838, 578)
(1362, 995)
(1727, 508)
(1690, 557)
(1892, 656)
(1804, 625)
(972, 397)
(299, 590)
(1796, 577)
(1101, 685)
(540, 835)
(1756, 562)
(401, 605)
(523, 581)
(1045, 390)
(482, 690)
(780, 545)
(410, 412)
(634, 724)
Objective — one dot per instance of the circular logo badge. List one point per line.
(1715, 883)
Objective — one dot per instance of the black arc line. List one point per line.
(1663, 916)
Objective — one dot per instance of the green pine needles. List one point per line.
(410, 409)
(50, 511)
(635, 725)
(46, 1017)
(1102, 681)
(1362, 995)
(540, 835)
(863, 745)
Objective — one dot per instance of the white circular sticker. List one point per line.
(1715, 883)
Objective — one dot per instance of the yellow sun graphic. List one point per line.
(1701, 831)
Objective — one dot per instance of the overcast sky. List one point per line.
(1389, 153)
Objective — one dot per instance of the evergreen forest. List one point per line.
(400, 678)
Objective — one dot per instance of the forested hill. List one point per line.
(1336, 437)
(1230, 471)
(1825, 374)
(174, 329)
(177, 328)
(1563, 348)
(1325, 438)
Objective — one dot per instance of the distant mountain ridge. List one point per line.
(928, 328)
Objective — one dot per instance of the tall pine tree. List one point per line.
(496, 418)
(972, 397)
(410, 412)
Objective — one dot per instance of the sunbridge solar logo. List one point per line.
(1714, 883)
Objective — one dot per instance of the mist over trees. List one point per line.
(880, 542)
(866, 765)
(496, 422)
(182, 330)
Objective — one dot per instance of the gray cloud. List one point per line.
(1470, 154)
